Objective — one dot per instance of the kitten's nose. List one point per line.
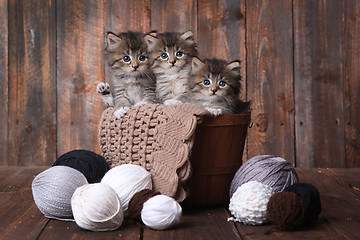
(214, 90)
(172, 61)
(135, 65)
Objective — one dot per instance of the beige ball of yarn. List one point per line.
(127, 180)
(161, 212)
(96, 207)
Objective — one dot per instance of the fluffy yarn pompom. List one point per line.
(248, 203)
(92, 165)
(127, 180)
(161, 212)
(53, 188)
(311, 196)
(273, 171)
(96, 207)
(286, 210)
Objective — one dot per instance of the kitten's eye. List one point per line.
(179, 54)
(126, 58)
(222, 83)
(142, 58)
(164, 56)
(206, 82)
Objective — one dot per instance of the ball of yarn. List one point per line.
(286, 210)
(92, 165)
(270, 170)
(248, 203)
(161, 212)
(136, 203)
(53, 188)
(127, 180)
(96, 207)
(311, 196)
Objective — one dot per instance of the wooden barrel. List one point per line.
(215, 158)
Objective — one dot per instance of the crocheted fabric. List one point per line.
(156, 137)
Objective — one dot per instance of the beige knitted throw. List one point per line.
(156, 137)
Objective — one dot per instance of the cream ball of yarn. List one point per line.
(126, 180)
(96, 207)
(249, 202)
(53, 188)
(161, 212)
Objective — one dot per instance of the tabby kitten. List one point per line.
(171, 54)
(132, 80)
(216, 85)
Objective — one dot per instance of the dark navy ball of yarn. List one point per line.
(92, 165)
(311, 196)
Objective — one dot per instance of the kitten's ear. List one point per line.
(196, 65)
(153, 33)
(151, 40)
(234, 66)
(188, 37)
(112, 42)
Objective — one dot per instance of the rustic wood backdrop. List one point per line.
(300, 66)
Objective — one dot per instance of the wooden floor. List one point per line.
(339, 219)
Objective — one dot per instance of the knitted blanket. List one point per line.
(156, 137)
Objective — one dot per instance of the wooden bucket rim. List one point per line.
(226, 120)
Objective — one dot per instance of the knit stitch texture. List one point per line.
(156, 137)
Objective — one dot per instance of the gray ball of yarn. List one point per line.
(271, 170)
(53, 188)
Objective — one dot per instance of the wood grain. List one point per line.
(347, 211)
(80, 67)
(4, 82)
(173, 15)
(270, 78)
(18, 209)
(32, 88)
(319, 118)
(122, 16)
(69, 230)
(218, 29)
(351, 71)
(198, 224)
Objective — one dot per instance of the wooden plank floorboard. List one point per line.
(18, 178)
(19, 216)
(340, 204)
(339, 219)
(198, 224)
(346, 176)
(56, 229)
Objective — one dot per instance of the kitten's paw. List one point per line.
(214, 111)
(171, 102)
(141, 103)
(103, 88)
(121, 112)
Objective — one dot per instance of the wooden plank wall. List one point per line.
(300, 67)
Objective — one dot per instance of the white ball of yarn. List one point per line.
(96, 207)
(248, 203)
(127, 180)
(161, 212)
(53, 188)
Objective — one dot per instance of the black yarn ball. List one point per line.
(92, 165)
(311, 196)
